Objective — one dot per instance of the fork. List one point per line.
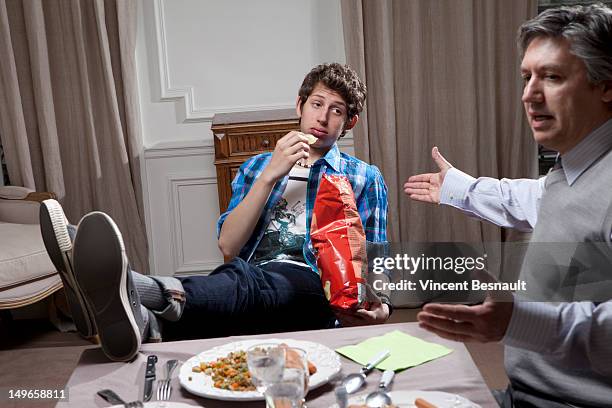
(164, 387)
(113, 398)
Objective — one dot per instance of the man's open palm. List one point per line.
(426, 187)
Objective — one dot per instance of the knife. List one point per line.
(149, 378)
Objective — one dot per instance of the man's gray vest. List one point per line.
(568, 259)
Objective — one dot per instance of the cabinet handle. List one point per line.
(265, 143)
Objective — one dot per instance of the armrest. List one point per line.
(20, 205)
(14, 192)
(24, 193)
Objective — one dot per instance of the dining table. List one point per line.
(454, 373)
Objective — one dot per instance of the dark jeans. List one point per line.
(240, 298)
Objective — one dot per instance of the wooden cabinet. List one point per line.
(238, 136)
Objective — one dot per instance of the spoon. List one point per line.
(380, 398)
(353, 382)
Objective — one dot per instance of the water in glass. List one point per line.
(266, 363)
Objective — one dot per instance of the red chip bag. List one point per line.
(340, 244)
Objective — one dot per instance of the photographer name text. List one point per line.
(428, 284)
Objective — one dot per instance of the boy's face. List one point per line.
(324, 115)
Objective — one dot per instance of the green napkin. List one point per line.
(406, 351)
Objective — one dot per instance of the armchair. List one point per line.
(26, 272)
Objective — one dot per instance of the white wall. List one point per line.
(196, 58)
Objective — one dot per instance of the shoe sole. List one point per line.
(102, 272)
(53, 227)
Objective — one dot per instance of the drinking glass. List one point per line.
(266, 362)
(290, 390)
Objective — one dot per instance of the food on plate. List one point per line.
(311, 368)
(229, 373)
(311, 139)
(421, 403)
(232, 371)
(292, 360)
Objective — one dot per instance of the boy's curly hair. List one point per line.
(339, 78)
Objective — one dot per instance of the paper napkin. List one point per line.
(406, 351)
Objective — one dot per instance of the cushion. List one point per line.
(19, 211)
(23, 257)
(33, 291)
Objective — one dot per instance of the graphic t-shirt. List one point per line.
(284, 236)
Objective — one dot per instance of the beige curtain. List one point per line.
(69, 117)
(445, 73)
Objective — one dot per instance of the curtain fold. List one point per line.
(12, 121)
(439, 73)
(70, 119)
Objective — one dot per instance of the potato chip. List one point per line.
(311, 138)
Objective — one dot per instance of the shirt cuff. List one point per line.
(532, 324)
(455, 187)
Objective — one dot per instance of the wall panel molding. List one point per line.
(176, 183)
(184, 97)
(179, 149)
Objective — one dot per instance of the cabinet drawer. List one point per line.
(250, 143)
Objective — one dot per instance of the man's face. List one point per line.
(323, 115)
(562, 107)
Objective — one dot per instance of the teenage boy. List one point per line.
(272, 283)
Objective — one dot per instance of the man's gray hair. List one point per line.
(588, 30)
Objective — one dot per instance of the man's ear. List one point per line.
(607, 91)
(298, 107)
(351, 123)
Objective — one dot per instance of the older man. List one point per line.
(557, 355)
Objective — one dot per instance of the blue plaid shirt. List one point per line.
(367, 182)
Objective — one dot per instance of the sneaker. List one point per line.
(57, 236)
(103, 275)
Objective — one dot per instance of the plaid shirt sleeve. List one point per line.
(374, 206)
(242, 183)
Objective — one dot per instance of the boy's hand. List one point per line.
(289, 149)
(378, 313)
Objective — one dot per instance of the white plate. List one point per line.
(324, 358)
(405, 399)
(161, 404)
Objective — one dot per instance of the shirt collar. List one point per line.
(332, 157)
(584, 154)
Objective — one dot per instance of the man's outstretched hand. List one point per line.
(480, 323)
(426, 187)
